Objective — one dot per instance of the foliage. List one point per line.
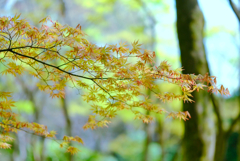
(111, 77)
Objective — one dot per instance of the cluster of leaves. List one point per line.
(111, 77)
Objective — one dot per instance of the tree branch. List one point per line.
(235, 9)
(56, 67)
(50, 65)
(216, 107)
(234, 122)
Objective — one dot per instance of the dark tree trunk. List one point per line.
(198, 136)
(221, 146)
(236, 10)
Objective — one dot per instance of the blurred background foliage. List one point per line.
(153, 23)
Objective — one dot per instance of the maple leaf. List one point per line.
(5, 145)
(72, 150)
(78, 139)
(52, 134)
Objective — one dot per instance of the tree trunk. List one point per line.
(199, 130)
(221, 146)
(146, 142)
(68, 123)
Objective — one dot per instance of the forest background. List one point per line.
(153, 22)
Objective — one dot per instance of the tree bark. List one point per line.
(221, 146)
(68, 123)
(199, 131)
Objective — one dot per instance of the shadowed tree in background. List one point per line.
(223, 133)
(236, 10)
(198, 135)
(37, 155)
